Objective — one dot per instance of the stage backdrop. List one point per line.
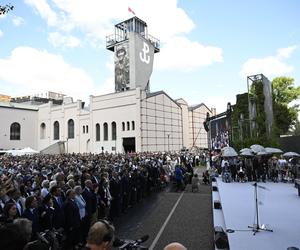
(219, 133)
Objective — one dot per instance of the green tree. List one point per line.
(284, 93)
(296, 128)
(5, 8)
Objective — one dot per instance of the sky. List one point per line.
(208, 47)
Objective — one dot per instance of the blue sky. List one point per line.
(207, 47)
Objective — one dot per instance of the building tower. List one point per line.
(134, 52)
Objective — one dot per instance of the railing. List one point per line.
(154, 41)
(113, 39)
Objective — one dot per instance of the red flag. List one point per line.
(130, 10)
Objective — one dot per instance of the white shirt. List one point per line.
(44, 192)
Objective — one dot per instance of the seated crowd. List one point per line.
(257, 168)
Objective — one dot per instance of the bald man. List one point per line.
(175, 246)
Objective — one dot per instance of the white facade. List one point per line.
(26, 117)
(134, 121)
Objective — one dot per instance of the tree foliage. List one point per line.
(5, 8)
(296, 128)
(285, 113)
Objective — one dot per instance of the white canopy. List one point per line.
(291, 154)
(24, 151)
(273, 151)
(229, 152)
(257, 148)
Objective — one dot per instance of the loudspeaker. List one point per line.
(221, 239)
(217, 204)
(215, 188)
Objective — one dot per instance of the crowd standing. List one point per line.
(70, 192)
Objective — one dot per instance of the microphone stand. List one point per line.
(256, 227)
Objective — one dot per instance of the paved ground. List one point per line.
(191, 222)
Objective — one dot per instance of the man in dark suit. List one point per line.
(31, 214)
(72, 218)
(58, 214)
(46, 212)
(14, 196)
(116, 192)
(90, 198)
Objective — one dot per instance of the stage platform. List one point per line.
(279, 210)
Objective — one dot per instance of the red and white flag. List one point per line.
(130, 10)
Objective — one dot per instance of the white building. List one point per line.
(131, 119)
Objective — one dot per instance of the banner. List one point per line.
(122, 67)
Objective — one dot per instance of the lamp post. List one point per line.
(168, 142)
(229, 122)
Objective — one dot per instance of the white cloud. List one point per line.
(107, 87)
(18, 21)
(165, 19)
(286, 52)
(269, 66)
(110, 64)
(96, 18)
(44, 9)
(1, 33)
(37, 71)
(194, 55)
(59, 40)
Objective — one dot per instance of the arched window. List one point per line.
(128, 125)
(70, 129)
(123, 126)
(83, 129)
(56, 130)
(132, 125)
(87, 129)
(113, 131)
(43, 131)
(15, 131)
(105, 131)
(97, 132)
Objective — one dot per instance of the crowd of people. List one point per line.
(70, 192)
(220, 140)
(255, 168)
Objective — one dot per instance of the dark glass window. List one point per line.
(43, 131)
(97, 132)
(113, 131)
(105, 131)
(56, 130)
(128, 125)
(15, 131)
(71, 129)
